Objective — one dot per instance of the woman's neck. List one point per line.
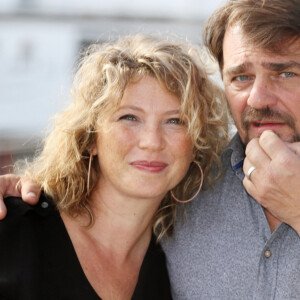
(112, 250)
(122, 225)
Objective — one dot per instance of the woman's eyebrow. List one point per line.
(136, 108)
(133, 107)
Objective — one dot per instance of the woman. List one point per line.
(144, 122)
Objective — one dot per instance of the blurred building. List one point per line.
(40, 42)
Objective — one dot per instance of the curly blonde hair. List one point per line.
(104, 72)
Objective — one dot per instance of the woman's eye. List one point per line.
(287, 74)
(174, 121)
(128, 117)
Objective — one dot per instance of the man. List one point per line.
(232, 245)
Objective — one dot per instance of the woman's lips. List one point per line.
(149, 166)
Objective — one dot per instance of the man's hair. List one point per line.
(104, 72)
(266, 24)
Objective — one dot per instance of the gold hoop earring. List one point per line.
(199, 188)
(89, 175)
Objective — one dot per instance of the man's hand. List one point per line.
(12, 185)
(275, 182)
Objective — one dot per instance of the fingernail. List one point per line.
(31, 195)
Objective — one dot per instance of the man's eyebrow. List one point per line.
(236, 69)
(281, 66)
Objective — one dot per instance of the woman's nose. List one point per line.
(152, 138)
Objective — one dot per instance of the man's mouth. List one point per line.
(266, 118)
(256, 128)
(268, 124)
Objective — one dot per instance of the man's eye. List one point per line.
(241, 78)
(128, 117)
(287, 74)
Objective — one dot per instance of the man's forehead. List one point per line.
(280, 44)
(269, 65)
(247, 57)
(240, 41)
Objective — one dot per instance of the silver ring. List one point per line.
(248, 175)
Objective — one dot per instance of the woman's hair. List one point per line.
(267, 24)
(104, 72)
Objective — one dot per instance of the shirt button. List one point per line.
(268, 253)
(44, 204)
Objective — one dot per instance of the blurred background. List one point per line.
(40, 42)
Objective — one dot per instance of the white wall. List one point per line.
(153, 8)
(36, 63)
(39, 45)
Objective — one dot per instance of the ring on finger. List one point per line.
(251, 169)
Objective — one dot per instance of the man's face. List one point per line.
(262, 88)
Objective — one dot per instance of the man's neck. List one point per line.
(273, 221)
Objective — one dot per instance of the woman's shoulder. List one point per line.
(23, 219)
(36, 255)
(17, 208)
(153, 282)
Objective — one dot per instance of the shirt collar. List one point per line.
(237, 150)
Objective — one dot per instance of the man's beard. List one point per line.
(270, 115)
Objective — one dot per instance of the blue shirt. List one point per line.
(223, 248)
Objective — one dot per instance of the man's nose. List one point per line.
(262, 94)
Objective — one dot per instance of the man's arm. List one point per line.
(275, 182)
(12, 185)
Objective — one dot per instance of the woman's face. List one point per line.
(143, 150)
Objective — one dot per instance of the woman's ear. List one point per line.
(93, 150)
(193, 156)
